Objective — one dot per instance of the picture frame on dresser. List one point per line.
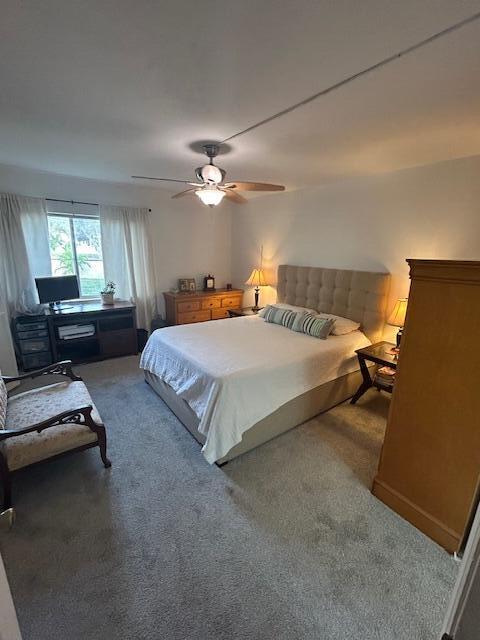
(187, 285)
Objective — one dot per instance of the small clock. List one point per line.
(209, 283)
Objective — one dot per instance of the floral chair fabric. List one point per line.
(36, 405)
(3, 403)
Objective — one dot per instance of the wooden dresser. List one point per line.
(183, 308)
(430, 464)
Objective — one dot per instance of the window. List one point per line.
(76, 249)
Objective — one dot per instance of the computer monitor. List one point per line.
(57, 288)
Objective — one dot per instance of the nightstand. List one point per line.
(378, 353)
(246, 311)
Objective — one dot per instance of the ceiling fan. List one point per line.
(211, 187)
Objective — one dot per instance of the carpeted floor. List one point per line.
(285, 543)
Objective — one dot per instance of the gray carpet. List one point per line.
(284, 543)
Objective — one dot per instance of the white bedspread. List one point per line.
(235, 372)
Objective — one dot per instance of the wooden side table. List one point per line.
(378, 353)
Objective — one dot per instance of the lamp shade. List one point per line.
(397, 317)
(257, 279)
(210, 196)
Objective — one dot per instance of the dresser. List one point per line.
(430, 463)
(184, 308)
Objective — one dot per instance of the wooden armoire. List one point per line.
(430, 463)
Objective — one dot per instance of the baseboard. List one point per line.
(430, 526)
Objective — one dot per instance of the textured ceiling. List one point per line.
(106, 89)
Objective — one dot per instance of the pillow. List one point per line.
(3, 404)
(313, 325)
(285, 317)
(342, 325)
(283, 305)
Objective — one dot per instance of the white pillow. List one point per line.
(283, 305)
(341, 325)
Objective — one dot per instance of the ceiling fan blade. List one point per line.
(187, 192)
(254, 186)
(162, 179)
(233, 195)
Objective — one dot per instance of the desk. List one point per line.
(115, 331)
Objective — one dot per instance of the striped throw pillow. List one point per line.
(317, 327)
(284, 317)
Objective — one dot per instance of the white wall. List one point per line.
(9, 629)
(371, 223)
(189, 239)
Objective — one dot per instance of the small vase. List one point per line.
(107, 298)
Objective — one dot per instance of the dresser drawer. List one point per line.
(194, 316)
(211, 303)
(232, 302)
(218, 314)
(193, 305)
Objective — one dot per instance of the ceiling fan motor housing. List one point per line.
(210, 174)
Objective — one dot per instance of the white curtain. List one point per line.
(24, 250)
(127, 258)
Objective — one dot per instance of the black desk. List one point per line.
(115, 331)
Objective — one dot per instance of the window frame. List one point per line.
(71, 217)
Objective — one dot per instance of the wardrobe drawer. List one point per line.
(233, 302)
(211, 303)
(218, 314)
(193, 305)
(193, 316)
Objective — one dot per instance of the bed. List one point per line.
(239, 382)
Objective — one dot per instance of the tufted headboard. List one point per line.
(358, 295)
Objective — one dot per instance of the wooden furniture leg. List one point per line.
(6, 483)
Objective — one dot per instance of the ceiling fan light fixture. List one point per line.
(210, 196)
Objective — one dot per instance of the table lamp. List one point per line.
(397, 317)
(257, 279)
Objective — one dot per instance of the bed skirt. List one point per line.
(286, 417)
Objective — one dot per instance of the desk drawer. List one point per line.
(211, 303)
(36, 361)
(193, 305)
(193, 316)
(37, 333)
(232, 302)
(31, 326)
(34, 345)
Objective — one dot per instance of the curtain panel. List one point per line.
(24, 250)
(128, 258)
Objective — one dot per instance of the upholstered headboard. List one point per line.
(358, 295)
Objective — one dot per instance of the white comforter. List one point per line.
(235, 372)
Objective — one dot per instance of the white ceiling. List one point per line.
(109, 88)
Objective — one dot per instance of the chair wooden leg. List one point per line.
(102, 443)
(6, 478)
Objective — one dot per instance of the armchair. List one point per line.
(46, 422)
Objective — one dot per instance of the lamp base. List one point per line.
(399, 336)
(255, 306)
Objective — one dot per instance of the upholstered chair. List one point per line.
(45, 422)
